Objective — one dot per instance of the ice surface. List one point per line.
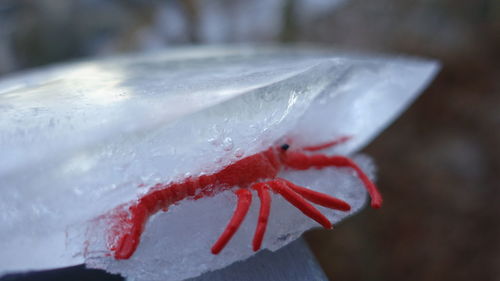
(79, 139)
(362, 101)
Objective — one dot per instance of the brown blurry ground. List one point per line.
(439, 164)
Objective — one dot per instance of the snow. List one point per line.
(79, 139)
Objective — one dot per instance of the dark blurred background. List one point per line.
(439, 164)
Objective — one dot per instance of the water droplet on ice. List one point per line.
(227, 144)
(238, 153)
(214, 141)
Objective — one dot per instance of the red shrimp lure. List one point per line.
(258, 172)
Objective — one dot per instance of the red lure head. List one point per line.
(295, 157)
(281, 152)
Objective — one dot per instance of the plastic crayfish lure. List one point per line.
(258, 172)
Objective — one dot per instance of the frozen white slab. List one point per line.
(78, 139)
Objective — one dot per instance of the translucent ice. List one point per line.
(79, 139)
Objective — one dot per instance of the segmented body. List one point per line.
(259, 172)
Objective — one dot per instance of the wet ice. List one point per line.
(79, 139)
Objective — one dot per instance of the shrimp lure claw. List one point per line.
(258, 172)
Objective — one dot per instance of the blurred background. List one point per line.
(439, 164)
